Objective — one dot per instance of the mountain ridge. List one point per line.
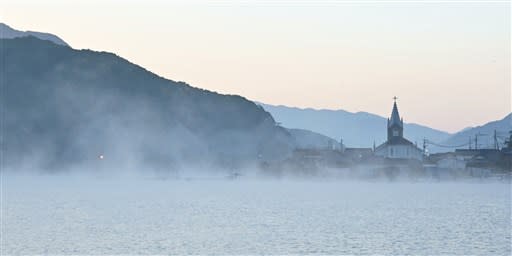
(64, 107)
(357, 129)
(348, 112)
(7, 32)
(486, 131)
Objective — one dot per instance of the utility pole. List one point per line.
(476, 138)
(496, 146)
(469, 143)
(424, 146)
(509, 141)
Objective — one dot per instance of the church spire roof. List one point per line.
(395, 116)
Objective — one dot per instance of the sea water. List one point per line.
(78, 215)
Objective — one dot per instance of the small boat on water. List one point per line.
(234, 175)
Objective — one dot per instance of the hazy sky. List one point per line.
(449, 63)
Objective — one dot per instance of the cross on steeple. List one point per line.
(395, 98)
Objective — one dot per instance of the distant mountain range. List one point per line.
(359, 129)
(485, 134)
(7, 32)
(64, 107)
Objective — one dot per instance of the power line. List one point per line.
(497, 137)
(447, 146)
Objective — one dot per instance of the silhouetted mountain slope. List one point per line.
(486, 131)
(357, 129)
(63, 106)
(7, 32)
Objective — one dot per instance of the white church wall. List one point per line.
(399, 152)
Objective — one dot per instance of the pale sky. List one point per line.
(448, 63)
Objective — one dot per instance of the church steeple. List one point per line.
(395, 123)
(395, 116)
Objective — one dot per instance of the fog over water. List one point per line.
(95, 163)
(100, 156)
(198, 214)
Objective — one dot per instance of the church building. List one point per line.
(396, 146)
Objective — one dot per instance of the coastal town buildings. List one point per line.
(398, 157)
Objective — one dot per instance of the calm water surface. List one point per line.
(72, 215)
